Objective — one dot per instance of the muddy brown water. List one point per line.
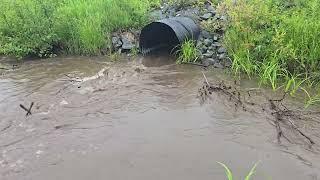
(133, 119)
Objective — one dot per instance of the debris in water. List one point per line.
(26, 109)
(281, 116)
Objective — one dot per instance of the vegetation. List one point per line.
(230, 175)
(278, 41)
(82, 27)
(188, 53)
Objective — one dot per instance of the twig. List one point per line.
(26, 109)
(205, 78)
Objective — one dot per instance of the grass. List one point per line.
(80, 27)
(277, 41)
(188, 53)
(230, 175)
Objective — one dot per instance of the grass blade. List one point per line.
(252, 172)
(228, 171)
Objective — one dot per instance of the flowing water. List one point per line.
(135, 119)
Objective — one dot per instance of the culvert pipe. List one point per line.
(167, 34)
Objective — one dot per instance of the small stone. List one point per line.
(206, 16)
(116, 42)
(209, 54)
(204, 49)
(227, 62)
(216, 44)
(210, 9)
(215, 38)
(128, 41)
(222, 50)
(211, 61)
(208, 42)
(222, 56)
(205, 34)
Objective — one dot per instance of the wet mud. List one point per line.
(143, 118)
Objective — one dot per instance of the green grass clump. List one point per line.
(81, 27)
(188, 52)
(276, 40)
(230, 175)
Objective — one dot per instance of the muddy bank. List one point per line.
(137, 119)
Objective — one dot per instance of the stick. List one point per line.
(205, 78)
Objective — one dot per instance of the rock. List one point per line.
(208, 54)
(227, 62)
(211, 48)
(191, 12)
(203, 49)
(215, 38)
(209, 61)
(205, 34)
(206, 16)
(205, 62)
(210, 9)
(128, 41)
(222, 50)
(208, 42)
(216, 44)
(116, 42)
(222, 56)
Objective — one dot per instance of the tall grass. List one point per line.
(188, 53)
(39, 27)
(276, 40)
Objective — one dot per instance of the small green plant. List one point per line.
(188, 52)
(230, 175)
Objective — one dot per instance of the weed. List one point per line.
(188, 52)
(276, 40)
(230, 175)
(39, 28)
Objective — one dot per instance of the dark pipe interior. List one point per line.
(158, 36)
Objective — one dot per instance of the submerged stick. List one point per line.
(26, 109)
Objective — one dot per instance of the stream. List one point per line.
(136, 119)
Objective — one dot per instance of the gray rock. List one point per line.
(204, 49)
(128, 41)
(205, 34)
(215, 38)
(208, 54)
(116, 42)
(222, 50)
(216, 44)
(227, 62)
(222, 56)
(208, 42)
(191, 12)
(210, 9)
(206, 16)
(209, 61)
